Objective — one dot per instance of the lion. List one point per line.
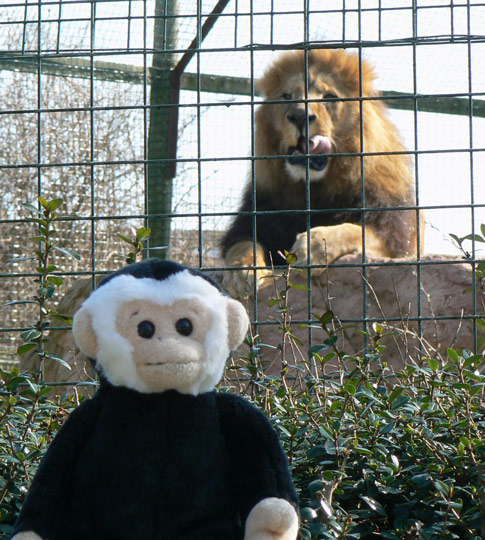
(330, 168)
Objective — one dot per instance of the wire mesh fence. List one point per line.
(143, 113)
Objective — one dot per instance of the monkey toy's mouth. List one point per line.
(319, 147)
(152, 364)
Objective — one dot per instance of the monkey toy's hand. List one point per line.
(27, 535)
(272, 519)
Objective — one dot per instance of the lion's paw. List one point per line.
(319, 248)
(241, 283)
(328, 243)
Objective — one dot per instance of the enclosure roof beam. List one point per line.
(219, 84)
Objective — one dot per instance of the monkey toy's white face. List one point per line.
(154, 335)
(168, 340)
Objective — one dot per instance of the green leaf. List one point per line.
(387, 428)
(43, 202)
(374, 505)
(395, 393)
(475, 237)
(324, 319)
(142, 233)
(17, 302)
(54, 204)
(58, 360)
(30, 334)
(124, 238)
(364, 451)
(290, 257)
(33, 387)
(308, 513)
(453, 355)
(316, 485)
(350, 387)
(284, 430)
(325, 431)
(400, 401)
(26, 348)
(305, 534)
(456, 239)
(295, 339)
(300, 287)
(421, 479)
(64, 318)
(68, 252)
(32, 208)
(56, 280)
(433, 364)
(441, 487)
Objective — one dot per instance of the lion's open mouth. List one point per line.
(319, 147)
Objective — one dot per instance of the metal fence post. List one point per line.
(160, 173)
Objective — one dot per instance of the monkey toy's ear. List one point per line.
(237, 323)
(84, 334)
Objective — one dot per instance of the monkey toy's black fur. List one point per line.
(142, 464)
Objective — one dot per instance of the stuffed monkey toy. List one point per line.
(157, 453)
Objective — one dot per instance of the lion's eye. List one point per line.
(184, 327)
(286, 96)
(146, 329)
(330, 95)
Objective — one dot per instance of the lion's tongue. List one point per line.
(320, 145)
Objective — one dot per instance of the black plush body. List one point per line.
(128, 465)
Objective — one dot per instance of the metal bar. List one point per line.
(159, 175)
(416, 172)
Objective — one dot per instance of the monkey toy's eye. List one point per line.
(184, 327)
(286, 95)
(146, 329)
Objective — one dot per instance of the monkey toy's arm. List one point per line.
(262, 482)
(43, 508)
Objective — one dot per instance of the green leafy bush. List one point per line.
(376, 458)
(28, 423)
(374, 454)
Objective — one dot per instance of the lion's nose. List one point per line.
(298, 117)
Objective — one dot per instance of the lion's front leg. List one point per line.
(239, 283)
(329, 243)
